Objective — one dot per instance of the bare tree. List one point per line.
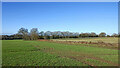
(24, 32)
(48, 35)
(114, 35)
(102, 34)
(93, 34)
(34, 34)
(42, 34)
(76, 35)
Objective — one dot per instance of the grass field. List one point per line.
(104, 39)
(105, 42)
(46, 53)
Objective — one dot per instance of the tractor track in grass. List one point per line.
(91, 65)
(66, 54)
(87, 56)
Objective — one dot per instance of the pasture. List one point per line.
(50, 53)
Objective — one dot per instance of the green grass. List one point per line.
(96, 62)
(20, 53)
(42, 53)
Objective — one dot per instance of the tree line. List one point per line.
(34, 34)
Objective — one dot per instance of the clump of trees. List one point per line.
(34, 34)
(11, 37)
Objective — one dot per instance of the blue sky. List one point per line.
(60, 16)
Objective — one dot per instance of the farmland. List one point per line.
(52, 53)
(105, 42)
(104, 39)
